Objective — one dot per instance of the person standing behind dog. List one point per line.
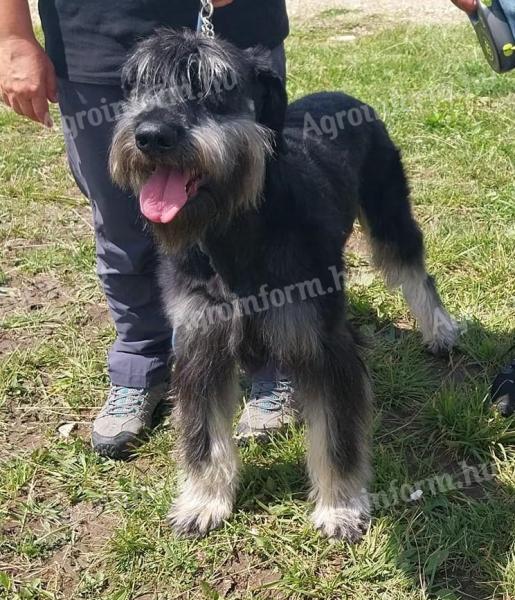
(86, 45)
(503, 387)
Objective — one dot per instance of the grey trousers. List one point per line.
(126, 256)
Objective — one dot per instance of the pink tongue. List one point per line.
(163, 195)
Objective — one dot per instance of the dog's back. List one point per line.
(334, 148)
(333, 115)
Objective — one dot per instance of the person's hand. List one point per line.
(469, 6)
(27, 79)
(220, 3)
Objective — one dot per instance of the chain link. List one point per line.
(205, 25)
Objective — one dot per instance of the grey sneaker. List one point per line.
(269, 409)
(124, 419)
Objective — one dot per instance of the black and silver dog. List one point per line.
(248, 203)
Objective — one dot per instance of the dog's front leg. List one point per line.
(336, 398)
(206, 385)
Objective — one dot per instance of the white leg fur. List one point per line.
(439, 330)
(206, 496)
(342, 507)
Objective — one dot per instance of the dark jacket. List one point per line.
(88, 40)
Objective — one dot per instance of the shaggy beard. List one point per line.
(232, 154)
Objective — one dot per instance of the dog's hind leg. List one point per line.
(335, 395)
(206, 385)
(398, 246)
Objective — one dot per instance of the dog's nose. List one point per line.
(156, 138)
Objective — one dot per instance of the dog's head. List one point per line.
(193, 139)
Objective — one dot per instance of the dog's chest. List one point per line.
(218, 290)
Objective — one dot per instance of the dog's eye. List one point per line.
(127, 87)
(224, 101)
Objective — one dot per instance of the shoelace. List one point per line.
(270, 395)
(124, 401)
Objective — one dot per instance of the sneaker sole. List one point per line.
(121, 447)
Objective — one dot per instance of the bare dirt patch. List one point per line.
(242, 576)
(89, 528)
(31, 294)
(27, 296)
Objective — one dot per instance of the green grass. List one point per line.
(73, 525)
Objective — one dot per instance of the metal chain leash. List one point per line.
(205, 25)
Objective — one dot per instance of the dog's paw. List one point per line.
(444, 335)
(195, 519)
(341, 522)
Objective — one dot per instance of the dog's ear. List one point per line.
(269, 91)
